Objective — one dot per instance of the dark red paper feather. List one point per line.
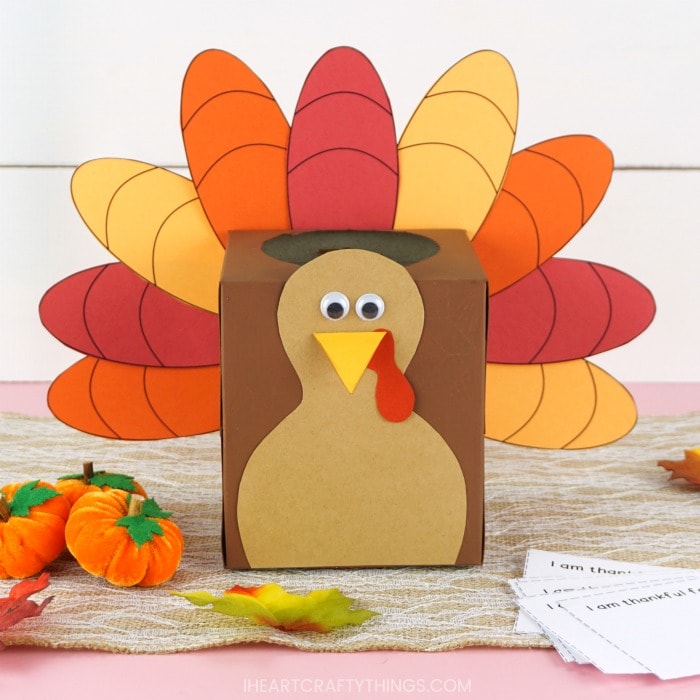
(109, 312)
(565, 310)
(342, 160)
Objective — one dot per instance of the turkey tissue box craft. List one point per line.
(352, 399)
(315, 473)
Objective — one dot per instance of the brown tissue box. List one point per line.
(324, 462)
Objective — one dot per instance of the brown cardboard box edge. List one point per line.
(250, 345)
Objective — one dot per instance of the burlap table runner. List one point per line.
(611, 501)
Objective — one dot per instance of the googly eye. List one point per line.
(335, 305)
(369, 307)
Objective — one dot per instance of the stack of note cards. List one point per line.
(620, 617)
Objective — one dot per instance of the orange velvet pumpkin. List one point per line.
(73, 486)
(123, 538)
(33, 518)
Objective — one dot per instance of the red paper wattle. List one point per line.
(394, 394)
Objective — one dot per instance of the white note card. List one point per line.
(539, 562)
(619, 616)
(657, 625)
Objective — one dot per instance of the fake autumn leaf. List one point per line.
(688, 468)
(269, 604)
(16, 606)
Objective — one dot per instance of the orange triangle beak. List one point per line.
(350, 353)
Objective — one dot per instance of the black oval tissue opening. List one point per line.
(401, 246)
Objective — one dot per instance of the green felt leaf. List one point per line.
(143, 527)
(29, 495)
(114, 481)
(269, 604)
(140, 529)
(152, 510)
(104, 478)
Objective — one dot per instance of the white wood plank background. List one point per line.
(80, 80)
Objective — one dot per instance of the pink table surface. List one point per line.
(264, 670)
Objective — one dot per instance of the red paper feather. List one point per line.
(343, 163)
(110, 312)
(565, 310)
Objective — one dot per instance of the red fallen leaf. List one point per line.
(688, 468)
(16, 607)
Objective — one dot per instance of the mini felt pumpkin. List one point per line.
(123, 538)
(33, 517)
(73, 486)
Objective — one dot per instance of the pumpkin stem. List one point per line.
(4, 508)
(88, 472)
(135, 505)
